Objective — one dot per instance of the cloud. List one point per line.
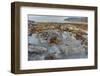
(40, 18)
(48, 18)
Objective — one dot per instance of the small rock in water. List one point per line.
(33, 39)
(64, 49)
(37, 49)
(53, 49)
(50, 57)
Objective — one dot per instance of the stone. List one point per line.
(64, 49)
(53, 49)
(37, 49)
(33, 39)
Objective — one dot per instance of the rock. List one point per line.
(37, 49)
(64, 49)
(53, 49)
(36, 57)
(50, 57)
(33, 39)
(77, 51)
(65, 35)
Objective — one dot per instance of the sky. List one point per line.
(45, 18)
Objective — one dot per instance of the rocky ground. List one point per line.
(57, 44)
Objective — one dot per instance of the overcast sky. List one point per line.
(44, 18)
